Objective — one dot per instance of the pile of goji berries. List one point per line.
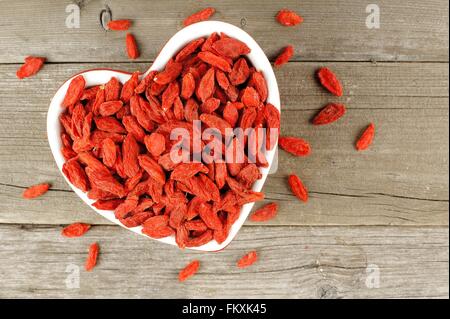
(116, 141)
(117, 146)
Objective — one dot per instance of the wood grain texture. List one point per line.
(332, 30)
(385, 209)
(295, 262)
(401, 180)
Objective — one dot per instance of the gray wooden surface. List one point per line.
(385, 208)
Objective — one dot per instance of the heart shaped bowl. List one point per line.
(178, 41)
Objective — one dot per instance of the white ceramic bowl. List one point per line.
(180, 39)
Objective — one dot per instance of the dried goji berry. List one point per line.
(265, 213)
(129, 87)
(248, 259)
(250, 97)
(209, 41)
(284, 56)
(258, 81)
(215, 61)
(75, 230)
(297, 187)
(329, 80)
(155, 143)
(288, 17)
(169, 74)
(119, 25)
(187, 86)
(110, 107)
(201, 15)
(132, 48)
(214, 121)
(35, 191)
(109, 154)
(130, 153)
(31, 66)
(109, 204)
(329, 114)
(231, 114)
(240, 72)
(189, 270)
(366, 138)
(230, 47)
(294, 145)
(109, 124)
(91, 260)
(74, 92)
(188, 49)
(210, 105)
(154, 170)
(76, 175)
(205, 88)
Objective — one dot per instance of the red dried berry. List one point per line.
(366, 138)
(155, 143)
(201, 15)
(215, 61)
(265, 213)
(230, 47)
(297, 187)
(76, 175)
(74, 92)
(75, 230)
(35, 191)
(248, 259)
(91, 260)
(284, 56)
(294, 145)
(329, 80)
(189, 270)
(31, 66)
(288, 17)
(119, 25)
(132, 48)
(329, 114)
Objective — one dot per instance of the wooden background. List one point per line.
(384, 209)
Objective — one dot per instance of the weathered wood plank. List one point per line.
(333, 30)
(295, 262)
(401, 180)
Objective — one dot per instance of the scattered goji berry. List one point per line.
(288, 17)
(119, 25)
(248, 259)
(189, 270)
(91, 260)
(329, 114)
(132, 48)
(75, 230)
(284, 56)
(31, 66)
(297, 187)
(366, 138)
(329, 81)
(35, 191)
(265, 213)
(294, 145)
(201, 15)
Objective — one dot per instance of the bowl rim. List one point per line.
(98, 75)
